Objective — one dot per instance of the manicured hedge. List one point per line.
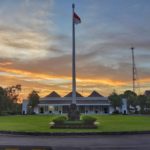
(87, 122)
(59, 120)
(88, 119)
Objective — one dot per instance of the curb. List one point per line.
(74, 133)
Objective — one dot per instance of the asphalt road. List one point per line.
(106, 142)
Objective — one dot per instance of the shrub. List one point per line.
(60, 119)
(88, 119)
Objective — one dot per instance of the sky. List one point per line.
(36, 45)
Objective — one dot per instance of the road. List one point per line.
(106, 142)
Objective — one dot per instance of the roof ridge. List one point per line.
(77, 94)
(53, 94)
(95, 94)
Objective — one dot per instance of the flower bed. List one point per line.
(87, 122)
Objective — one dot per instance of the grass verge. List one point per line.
(108, 123)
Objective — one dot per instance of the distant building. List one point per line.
(124, 108)
(147, 93)
(53, 103)
(24, 106)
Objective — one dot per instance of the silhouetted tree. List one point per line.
(147, 105)
(8, 100)
(2, 99)
(115, 100)
(131, 98)
(142, 99)
(33, 99)
(13, 92)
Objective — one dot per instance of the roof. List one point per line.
(95, 94)
(53, 94)
(70, 95)
(79, 102)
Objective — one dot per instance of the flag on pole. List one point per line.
(76, 18)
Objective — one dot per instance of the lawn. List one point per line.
(40, 123)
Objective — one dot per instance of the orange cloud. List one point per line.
(103, 81)
(29, 74)
(46, 76)
(30, 81)
(5, 63)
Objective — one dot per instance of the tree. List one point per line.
(147, 105)
(8, 100)
(129, 94)
(2, 99)
(131, 99)
(142, 100)
(13, 92)
(33, 99)
(115, 100)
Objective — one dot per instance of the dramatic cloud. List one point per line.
(36, 45)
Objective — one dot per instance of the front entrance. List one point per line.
(106, 110)
(41, 110)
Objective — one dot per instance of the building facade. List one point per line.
(55, 104)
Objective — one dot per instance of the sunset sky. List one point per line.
(36, 45)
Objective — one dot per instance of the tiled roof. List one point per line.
(79, 102)
(53, 94)
(70, 95)
(95, 94)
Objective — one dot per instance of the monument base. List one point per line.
(74, 125)
(73, 114)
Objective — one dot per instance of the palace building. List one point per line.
(53, 103)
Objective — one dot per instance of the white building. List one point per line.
(24, 106)
(55, 104)
(123, 109)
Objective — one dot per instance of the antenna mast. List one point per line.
(133, 69)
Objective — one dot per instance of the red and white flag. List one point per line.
(76, 18)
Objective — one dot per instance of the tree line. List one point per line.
(135, 103)
(9, 100)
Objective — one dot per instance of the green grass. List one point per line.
(108, 123)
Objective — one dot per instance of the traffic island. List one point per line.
(73, 120)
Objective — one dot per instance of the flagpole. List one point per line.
(73, 59)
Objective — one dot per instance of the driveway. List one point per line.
(106, 142)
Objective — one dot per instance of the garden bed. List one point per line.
(74, 125)
(62, 122)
